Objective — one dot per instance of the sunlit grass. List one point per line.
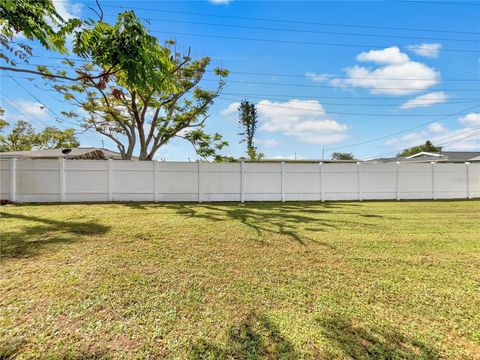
(261, 280)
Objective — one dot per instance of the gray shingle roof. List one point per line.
(76, 153)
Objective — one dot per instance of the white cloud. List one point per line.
(425, 100)
(391, 55)
(231, 109)
(303, 119)
(398, 76)
(67, 10)
(268, 143)
(427, 50)
(220, 2)
(318, 77)
(439, 135)
(32, 109)
(472, 119)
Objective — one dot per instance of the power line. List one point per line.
(263, 95)
(296, 21)
(56, 116)
(297, 42)
(469, 131)
(333, 86)
(345, 113)
(309, 31)
(25, 112)
(312, 97)
(267, 74)
(472, 133)
(335, 97)
(402, 131)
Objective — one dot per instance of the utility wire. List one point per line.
(149, 19)
(402, 131)
(345, 113)
(269, 74)
(243, 95)
(333, 86)
(295, 21)
(312, 97)
(25, 112)
(56, 116)
(377, 47)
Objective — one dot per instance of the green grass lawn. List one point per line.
(260, 280)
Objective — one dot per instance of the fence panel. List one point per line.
(90, 180)
(5, 179)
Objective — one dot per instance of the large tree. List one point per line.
(169, 102)
(248, 121)
(427, 147)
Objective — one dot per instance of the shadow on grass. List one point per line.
(33, 233)
(272, 218)
(357, 342)
(254, 338)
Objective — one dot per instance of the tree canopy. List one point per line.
(35, 20)
(248, 121)
(342, 156)
(22, 137)
(427, 147)
(169, 103)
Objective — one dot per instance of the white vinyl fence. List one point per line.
(118, 180)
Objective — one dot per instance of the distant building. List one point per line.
(444, 156)
(80, 153)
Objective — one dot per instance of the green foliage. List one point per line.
(427, 147)
(147, 117)
(36, 20)
(206, 145)
(126, 46)
(248, 120)
(22, 137)
(342, 156)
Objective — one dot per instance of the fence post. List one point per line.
(199, 181)
(434, 193)
(242, 183)
(61, 171)
(282, 182)
(13, 177)
(322, 196)
(110, 179)
(155, 181)
(359, 182)
(397, 179)
(467, 165)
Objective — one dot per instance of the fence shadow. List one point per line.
(256, 337)
(29, 239)
(357, 342)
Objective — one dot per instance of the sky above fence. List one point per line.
(365, 77)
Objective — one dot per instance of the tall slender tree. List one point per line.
(248, 120)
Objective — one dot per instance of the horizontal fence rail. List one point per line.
(118, 180)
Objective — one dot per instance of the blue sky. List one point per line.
(325, 75)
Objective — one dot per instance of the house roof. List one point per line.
(444, 156)
(86, 153)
